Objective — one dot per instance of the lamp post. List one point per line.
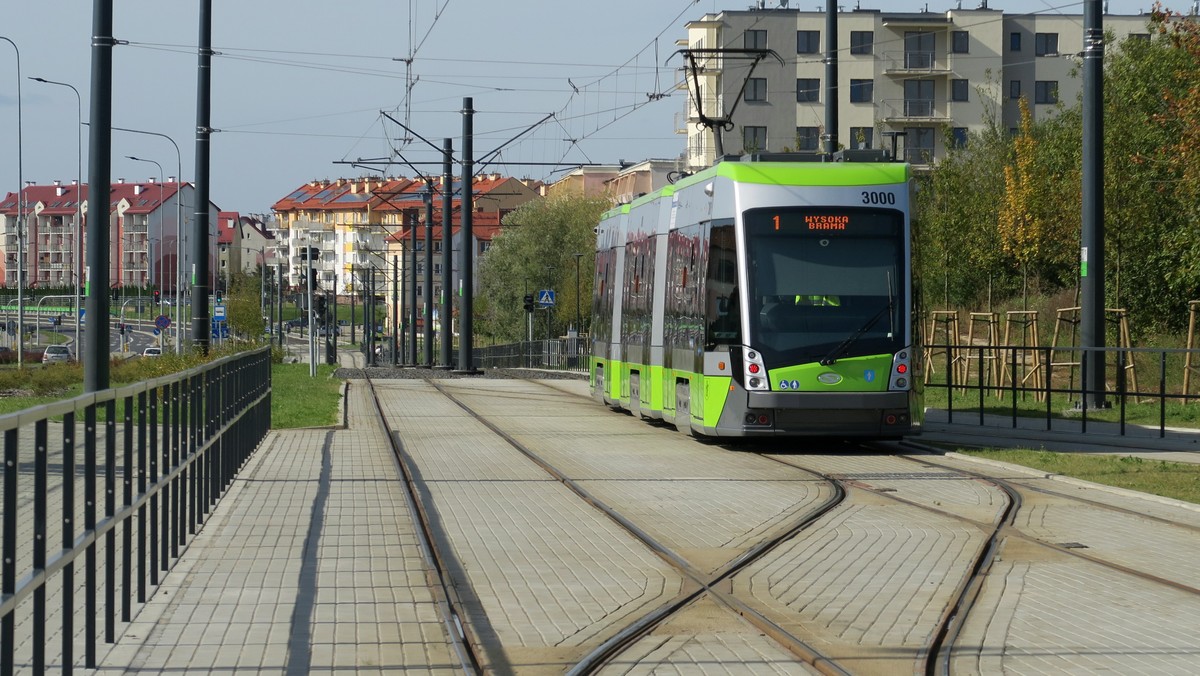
(150, 263)
(178, 232)
(77, 255)
(20, 219)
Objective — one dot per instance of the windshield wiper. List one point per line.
(845, 344)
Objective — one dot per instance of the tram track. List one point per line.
(627, 638)
(1074, 549)
(449, 604)
(704, 584)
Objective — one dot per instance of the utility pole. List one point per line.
(201, 324)
(831, 79)
(1092, 254)
(447, 241)
(96, 334)
(427, 297)
(466, 273)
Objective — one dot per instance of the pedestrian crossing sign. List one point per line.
(545, 298)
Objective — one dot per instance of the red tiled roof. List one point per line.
(484, 226)
(227, 226)
(143, 198)
(146, 201)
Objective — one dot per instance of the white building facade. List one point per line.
(933, 77)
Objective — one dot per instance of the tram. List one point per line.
(763, 296)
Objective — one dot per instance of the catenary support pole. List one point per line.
(1092, 253)
(411, 357)
(447, 260)
(96, 333)
(466, 273)
(831, 79)
(201, 323)
(427, 297)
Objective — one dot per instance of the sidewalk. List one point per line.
(1066, 436)
(310, 564)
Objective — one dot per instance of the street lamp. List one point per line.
(150, 263)
(178, 232)
(77, 267)
(20, 219)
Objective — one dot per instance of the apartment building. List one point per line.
(353, 223)
(243, 245)
(144, 234)
(923, 80)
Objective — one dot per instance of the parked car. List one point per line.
(296, 323)
(152, 352)
(57, 354)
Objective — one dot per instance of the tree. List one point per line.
(1034, 230)
(243, 305)
(535, 250)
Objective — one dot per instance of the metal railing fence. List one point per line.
(171, 446)
(1051, 383)
(566, 354)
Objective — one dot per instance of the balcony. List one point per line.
(908, 63)
(898, 111)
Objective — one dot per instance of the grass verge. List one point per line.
(299, 400)
(1177, 480)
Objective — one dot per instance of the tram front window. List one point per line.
(825, 284)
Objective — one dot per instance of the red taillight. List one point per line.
(891, 420)
(753, 368)
(902, 368)
(763, 420)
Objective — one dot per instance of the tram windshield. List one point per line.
(825, 283)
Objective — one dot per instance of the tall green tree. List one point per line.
(959, 260)
(243, 305)
(536, 250)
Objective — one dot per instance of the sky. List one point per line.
(302, 90)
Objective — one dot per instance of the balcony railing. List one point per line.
(908, 62)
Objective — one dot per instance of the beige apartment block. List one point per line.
(921, 80)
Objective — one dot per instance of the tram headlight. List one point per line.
(754, 370)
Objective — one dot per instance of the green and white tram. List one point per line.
(761, 298)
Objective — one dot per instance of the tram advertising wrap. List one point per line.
(762, 298)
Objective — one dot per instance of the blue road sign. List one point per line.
(162, 322)
(545, 298)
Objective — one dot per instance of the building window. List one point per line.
(918, 144)
(861, 137)
(861, 42)
(1014, 89)
(1014, 42)
(958, 137)
(960, 42)
(754, 139)
(808, 42)
(959, 90)
(1045, 44)
(808, 90)
(1045, 91)
(862, 91)
(756, 89)
(755, 39)
(808, 138)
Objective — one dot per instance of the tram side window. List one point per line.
(722, 305)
